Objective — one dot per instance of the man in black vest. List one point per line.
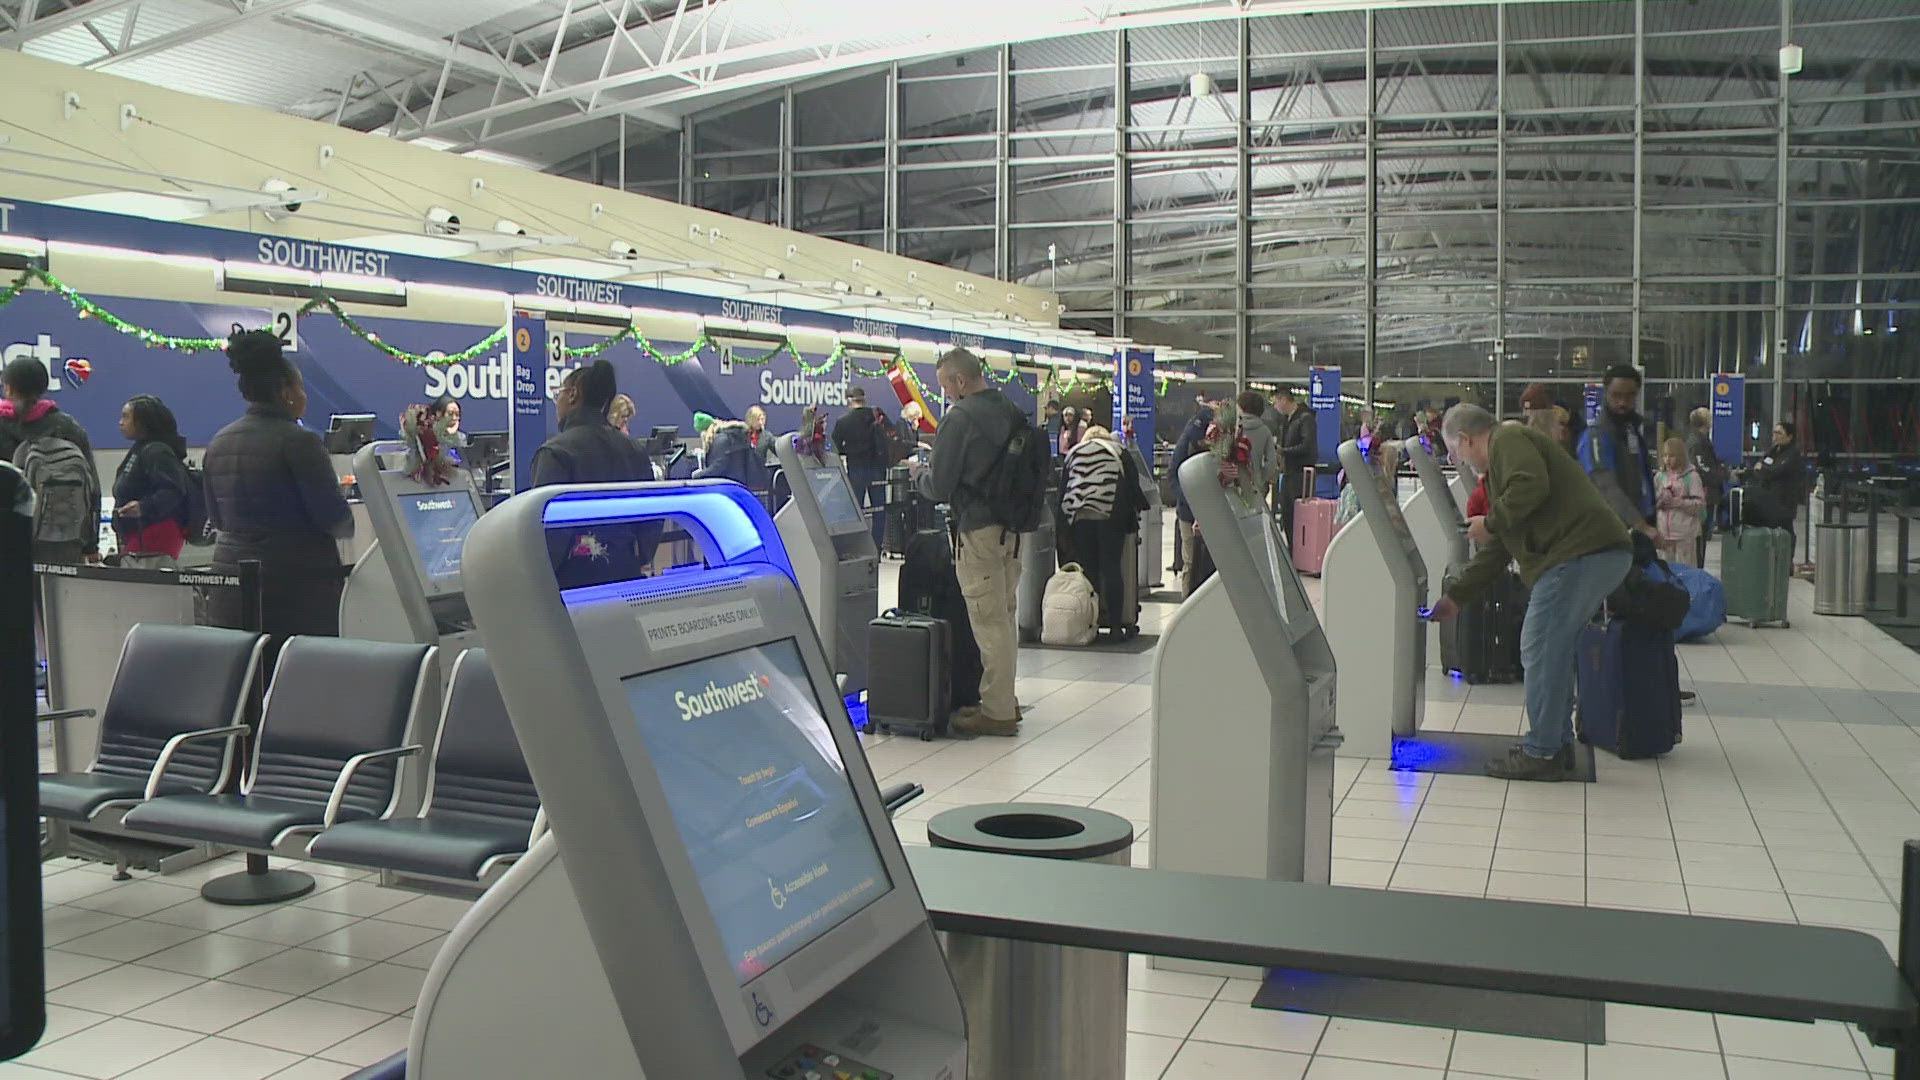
(1299, 449)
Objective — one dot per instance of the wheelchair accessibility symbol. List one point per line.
(762, 1014)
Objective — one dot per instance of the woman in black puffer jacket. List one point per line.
(150, 490)
(272, 496)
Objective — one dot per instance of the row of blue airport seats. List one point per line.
(322, 779)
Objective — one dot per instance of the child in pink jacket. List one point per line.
(1680, 496)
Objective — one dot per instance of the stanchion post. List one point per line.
(1906, 1043)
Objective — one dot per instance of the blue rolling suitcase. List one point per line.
(1629, 686)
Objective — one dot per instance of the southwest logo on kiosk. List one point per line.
(719, 697)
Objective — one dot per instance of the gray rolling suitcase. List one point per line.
(910, 677)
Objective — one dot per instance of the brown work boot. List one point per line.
(975, 722)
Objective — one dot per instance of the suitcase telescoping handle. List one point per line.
(1312, 484)
(1735, 498)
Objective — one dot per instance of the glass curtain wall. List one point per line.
(1448, 203)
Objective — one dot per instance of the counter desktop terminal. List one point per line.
(408, 586)
(834, 558)
(1243, 709)
(721, 893)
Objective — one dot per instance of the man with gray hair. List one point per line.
(978, 469)
(1544, 514)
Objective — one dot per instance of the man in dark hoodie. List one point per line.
(53, 450)
(1193, 440)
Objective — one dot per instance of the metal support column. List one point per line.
(1369, 368)
(1499, 209)
(1781, 191)
(1639, 178)
(1122, 182)
(1243, 201)
(623, 152)
(1002, 172)
(686, 162)
(786, 160)
(890, 202)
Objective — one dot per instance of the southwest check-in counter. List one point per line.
(1439, 531)
(1243, 708)
(721, 894)
(834, 557)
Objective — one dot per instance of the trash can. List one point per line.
(1840, 569)
(1038, 1010)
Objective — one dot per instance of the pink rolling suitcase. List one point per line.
(1313, 529)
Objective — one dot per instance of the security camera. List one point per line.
(276, 213)
(442, 222)
(506, 227)
(624, 251)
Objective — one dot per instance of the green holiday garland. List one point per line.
(840, 356)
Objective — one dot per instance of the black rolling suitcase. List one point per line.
(928, 586)
(899, 512)
(1125, 623)
(909, 684)
(1482, 643)
(1629, 689)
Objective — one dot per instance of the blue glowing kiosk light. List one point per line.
(726, 520)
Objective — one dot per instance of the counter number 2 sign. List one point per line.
(285, 325)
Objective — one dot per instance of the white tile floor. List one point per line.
(1797, 783)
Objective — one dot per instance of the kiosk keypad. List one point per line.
(810, 1062)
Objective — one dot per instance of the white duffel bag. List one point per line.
(1069, 612)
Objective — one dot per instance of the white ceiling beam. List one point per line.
(60, 20)
(186, 35)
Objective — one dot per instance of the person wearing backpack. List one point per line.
(151, 492)
(990, 466)
(52, 449)
(273, 498)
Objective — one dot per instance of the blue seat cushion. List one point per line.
(244, 821)
(79, 796)
(440, 848)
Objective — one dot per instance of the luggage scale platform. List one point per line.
(1466, 753)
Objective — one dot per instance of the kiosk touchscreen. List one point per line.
(1243, 709)
(1375, 587)
(1439, 531)
(721, 893)
(834, 558)
(409, 585)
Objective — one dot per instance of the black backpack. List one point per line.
(198, 530)
(1015, 487)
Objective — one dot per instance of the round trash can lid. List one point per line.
(1049, 830)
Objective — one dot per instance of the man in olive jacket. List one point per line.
(1545, 515)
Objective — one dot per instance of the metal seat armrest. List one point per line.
(174, 744)
(60, 715)
(352, 766)
(539, 826)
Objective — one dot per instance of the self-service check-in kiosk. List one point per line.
(1243, 708)
(834, 557)
(1439, 531)
(1375, 585)
(721, 893)
(408, 586)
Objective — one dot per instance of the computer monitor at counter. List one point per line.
(348, 432)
